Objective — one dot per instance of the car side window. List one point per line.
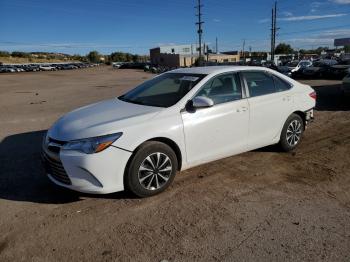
(223, 88)
(280, 84)
(259, 83)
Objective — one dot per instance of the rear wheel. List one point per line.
(151, 170)
(292, 133)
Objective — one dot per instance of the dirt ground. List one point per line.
(259, 206)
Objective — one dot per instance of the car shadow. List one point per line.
(331, 98)
(22, 177)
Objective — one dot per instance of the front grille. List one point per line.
(59, 142)
(55, 169)
(55, 145)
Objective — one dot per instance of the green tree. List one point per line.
(20, 54)
(4, 54)
(135, 58)
(347, 49)
(283, 48)
(78, 57)
(128, 57)
(94, 57)
(118, 57)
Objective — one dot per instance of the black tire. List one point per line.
(288, 143)
(134, 175)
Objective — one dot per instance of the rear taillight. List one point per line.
(313, 95)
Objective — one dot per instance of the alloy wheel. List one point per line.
(294, 133)
(155, 170)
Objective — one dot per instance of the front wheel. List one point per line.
(151, 170)
(291, 133)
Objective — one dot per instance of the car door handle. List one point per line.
(242, 109)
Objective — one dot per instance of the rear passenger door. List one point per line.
(270, 104)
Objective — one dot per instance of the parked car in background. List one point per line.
(319, 69)
(7, 69)
(292, 65)
(284, 70)
(271, 65)
(340, 70)
(43, 67)
(346, 85)
(47, 68)
(175, 121)
(19, 68)
(31, 68)
(117, 65)
(69, 67)
(298, 70)
(132, 65)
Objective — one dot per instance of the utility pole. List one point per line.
(243, 51)
(273, 31)
(216, 46)
(199, 31)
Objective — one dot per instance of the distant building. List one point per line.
(223, 58)
(186, 55)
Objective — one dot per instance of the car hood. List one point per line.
(103, 118)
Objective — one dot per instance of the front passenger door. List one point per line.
(221, 130)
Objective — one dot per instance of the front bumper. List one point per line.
(99, 173)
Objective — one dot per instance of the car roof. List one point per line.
(207, 70)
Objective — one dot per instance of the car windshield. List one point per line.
(305, 63)
(163, 91)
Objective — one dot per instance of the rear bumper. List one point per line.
(99, 173)
(309, 116)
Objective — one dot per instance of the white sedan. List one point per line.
(173, 122)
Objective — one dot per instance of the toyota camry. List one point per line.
(175, 121)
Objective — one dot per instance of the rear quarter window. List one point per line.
(281, 85)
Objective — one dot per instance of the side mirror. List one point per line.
(202, 102)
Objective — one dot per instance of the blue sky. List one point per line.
(78, 26)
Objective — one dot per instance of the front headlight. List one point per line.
(92, 145)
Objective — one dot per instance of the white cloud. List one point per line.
(305, 40)
(302, 18)
(325, 38)
(341, 2)
(316, 4)
(286, 13)
(216, 20)
(310, 17)
(340, 33)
